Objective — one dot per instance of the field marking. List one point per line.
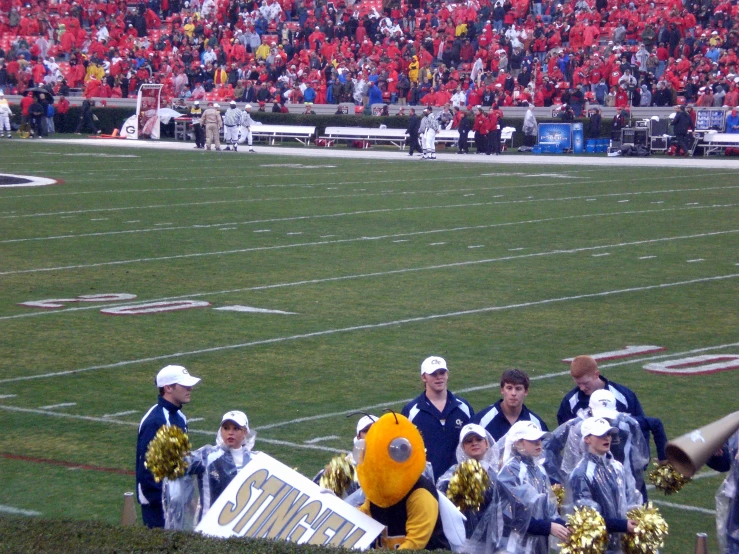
(209, 433)
(476, 246)
(368, 275)
(158, 227)
(55, 406)
(249, 309)
(647, 257)
(194, 419)
(370, 326)
(685, 507)
(118, 414)
(601, 255)
(4, 396)
(695, 260)
(321, 439)
(321, 243)
(493, 385)
(17, 511)
(323, 197)
(436, 243)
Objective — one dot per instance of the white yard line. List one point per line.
(371, 326)
(108, 420)
(361, 275)
(310, 244)
(17, 511)
(55, 406)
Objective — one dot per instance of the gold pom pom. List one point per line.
(588, 533)
(165, 456)
(338, 475)
(468, 485)
(649, 535)
(559, 493)
(667, 479)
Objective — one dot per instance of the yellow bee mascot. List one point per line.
(390, 464)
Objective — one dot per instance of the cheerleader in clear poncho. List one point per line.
(600, 482)
(210, 470)
(525, 512)
(727, 496)
(475, 443)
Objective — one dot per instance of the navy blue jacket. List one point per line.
(440, 430)
(626, 401)
(497, 424)
(163, 412)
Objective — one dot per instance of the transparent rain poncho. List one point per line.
(727, 503)
(489, 464)
(628, 447)
(602, 483)
(210, 470)
(555, 446)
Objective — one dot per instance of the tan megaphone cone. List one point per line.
(701, 543)
(688, 453)
(128, 517)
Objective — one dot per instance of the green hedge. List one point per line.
(113, 118)
(37, 536)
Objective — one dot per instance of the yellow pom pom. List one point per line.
(649, 535)
(338, 475)
(468, 485)
(667, 479)
(588, 533)
(559, 493)
(165, 455)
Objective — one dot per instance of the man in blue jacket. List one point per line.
(439, 415)
(175, 387)
(584, 371)
(498, 418)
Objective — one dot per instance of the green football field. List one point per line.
(302, 290)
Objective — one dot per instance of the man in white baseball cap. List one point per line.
(175, 385)
(438, 414)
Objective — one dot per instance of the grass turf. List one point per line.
(382, 263)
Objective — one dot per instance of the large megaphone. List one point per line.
(688, 453)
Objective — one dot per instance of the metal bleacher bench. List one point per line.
(302, 133)
(395, 137)
(716, 143)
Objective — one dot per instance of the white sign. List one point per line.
(267, 499)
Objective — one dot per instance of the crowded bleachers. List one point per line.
(480, 52)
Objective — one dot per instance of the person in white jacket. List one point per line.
(5, 114)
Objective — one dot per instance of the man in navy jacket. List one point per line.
(439, 415)
(498, 418)
(584, 370)
(175, 387)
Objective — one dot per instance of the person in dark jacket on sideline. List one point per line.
(413, 123)
(682, 125)
(175, 387)
(86, 118)
(465, 126)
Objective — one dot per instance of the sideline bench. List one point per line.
(302, 133)
(396, 137)
(717, 143)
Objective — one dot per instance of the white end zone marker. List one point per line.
(626, 352)
(249, 309)
(696, 365)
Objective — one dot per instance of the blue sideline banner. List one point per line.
(557, 133)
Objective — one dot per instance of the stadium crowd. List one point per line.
(478, 52)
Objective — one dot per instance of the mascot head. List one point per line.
(390, 459)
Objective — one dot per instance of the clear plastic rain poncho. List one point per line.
(727, 503)
(555, 445)
(602, 483)
(489, 464)
(628, 447)
(210, 470)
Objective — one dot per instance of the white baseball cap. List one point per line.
(247, 107)
(175, 375)
(233, 102)
(603, 404)
(365, 422)
(433, 364)
(527, 430)
(239, 418)
(472, 429)
(597, 426)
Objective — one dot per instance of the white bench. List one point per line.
(717, 143)
(302, 133)
(451, 136)
(395, 137)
